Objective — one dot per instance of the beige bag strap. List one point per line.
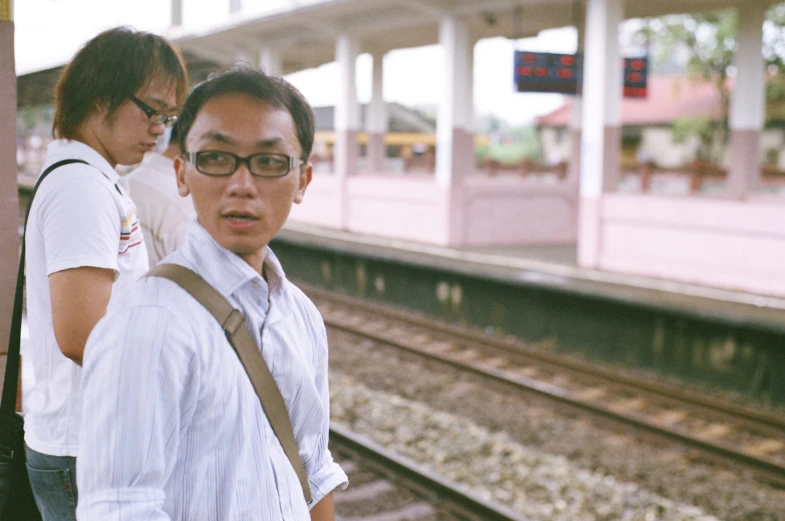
(240, 338)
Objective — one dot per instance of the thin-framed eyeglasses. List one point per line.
(220, 164)
(155, 117)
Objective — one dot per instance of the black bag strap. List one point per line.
(236, 330)
(11, 382)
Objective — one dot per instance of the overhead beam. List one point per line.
(323, 27)
(212, 53)
(388, 23)
(423, 8)
(488, 5)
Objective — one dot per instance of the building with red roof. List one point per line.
(647, 124)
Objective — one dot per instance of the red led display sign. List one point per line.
(547, 72)
(636, 75)
(562, 73)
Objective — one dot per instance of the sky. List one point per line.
(70, 23)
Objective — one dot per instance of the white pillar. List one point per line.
(454, 137)
(376, 117)
(468, 107)
(748, 102)
(576, 120)
(347, 117)
(270, 61)
(600, 132)
(347, 110)
(177, 13)
(612, 132)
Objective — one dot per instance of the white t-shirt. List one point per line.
(80, 217)
(163, 214)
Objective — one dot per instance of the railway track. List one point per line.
(752, 439)
(386, 487)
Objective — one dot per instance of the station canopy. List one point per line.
(304, 37)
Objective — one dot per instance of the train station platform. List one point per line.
(555, 267)
(730, 340)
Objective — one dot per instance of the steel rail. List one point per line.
(442, 492)
(755, 417)
(770, 470)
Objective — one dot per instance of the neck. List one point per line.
(255, 260)
(85, 134)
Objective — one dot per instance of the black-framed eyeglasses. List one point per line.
(219, 163)
(155, 117)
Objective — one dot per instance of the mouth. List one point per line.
(239, 221)
(239, 216)
(148, 146)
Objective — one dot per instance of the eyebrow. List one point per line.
(163, 105)
(222, 138)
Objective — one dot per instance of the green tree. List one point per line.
(711, 43)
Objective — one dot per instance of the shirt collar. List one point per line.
(85, 152)
(201, 249)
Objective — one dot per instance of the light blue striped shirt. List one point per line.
(172, 427)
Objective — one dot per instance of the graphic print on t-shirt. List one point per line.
(130, 233)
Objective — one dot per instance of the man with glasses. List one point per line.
(82, 239)
(163, 215)
(176, 429)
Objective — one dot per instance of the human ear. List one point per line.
(102, 107)
(306, 174)
(179, 170)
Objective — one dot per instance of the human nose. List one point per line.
(157, 129)
(241, 182)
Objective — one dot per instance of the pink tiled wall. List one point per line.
(480, 212)
(732, 244)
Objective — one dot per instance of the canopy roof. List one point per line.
(305, 36)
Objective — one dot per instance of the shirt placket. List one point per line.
(283, 473)
(281, 465)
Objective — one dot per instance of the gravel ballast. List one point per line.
(542, 461)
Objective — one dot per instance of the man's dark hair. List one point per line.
(174, 134)
(110, 68)
(275, 91)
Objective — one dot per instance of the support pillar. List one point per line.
(376, 118)
(612, 119)
(748, 103)
(600, 131)
(270, 61)
(347, 117)
(9, 201)
(454, 134)
(176, 13)
(574, 167)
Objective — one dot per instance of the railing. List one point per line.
(524, 168)
(698, 173)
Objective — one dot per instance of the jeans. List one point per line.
(53, 479)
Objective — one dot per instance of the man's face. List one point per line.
(242, 212)
(125, 135)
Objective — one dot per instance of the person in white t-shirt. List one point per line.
(112, 102)
(163, 214)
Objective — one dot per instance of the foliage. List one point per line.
(711, 43)
(702, 128)
(519, 144)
